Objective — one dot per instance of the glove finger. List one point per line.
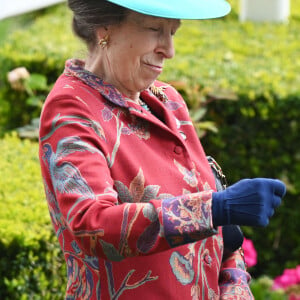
(263, 222)
(271, 213)
(279, 188)
(276, 201)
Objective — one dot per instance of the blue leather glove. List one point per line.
(249, 202)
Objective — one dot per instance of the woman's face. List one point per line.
(136, 51)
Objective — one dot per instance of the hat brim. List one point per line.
(178, 9)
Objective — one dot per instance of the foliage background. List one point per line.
(241, 81)
(31, 264)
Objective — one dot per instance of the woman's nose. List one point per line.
(166, 46)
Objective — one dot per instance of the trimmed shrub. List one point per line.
(41, 47)
(262, 289)
(31, 263)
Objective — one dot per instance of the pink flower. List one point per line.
(288, 278)
(16, 78)
(294, 297)
(249, 252)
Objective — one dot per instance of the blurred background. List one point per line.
(240, 76)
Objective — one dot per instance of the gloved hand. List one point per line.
(248, 202)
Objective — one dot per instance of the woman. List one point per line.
(131, 194)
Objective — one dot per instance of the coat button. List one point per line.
(207, 259)
(178, 150)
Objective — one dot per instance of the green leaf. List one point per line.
(37, 82)
(34, 101)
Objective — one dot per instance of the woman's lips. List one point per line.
(156, 68)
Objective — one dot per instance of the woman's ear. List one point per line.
(102, 36)
(102, 32)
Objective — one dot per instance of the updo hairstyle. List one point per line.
(88, 15)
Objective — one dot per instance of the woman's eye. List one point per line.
(154, 28)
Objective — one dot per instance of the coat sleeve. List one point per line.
(83, 201)
(234, 279)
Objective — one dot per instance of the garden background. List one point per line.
(242, 84)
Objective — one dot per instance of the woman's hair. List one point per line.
(88, 15)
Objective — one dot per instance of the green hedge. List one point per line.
(262, 290)
(252, 58)
(31, 264)
(41, 46)
(244, 76)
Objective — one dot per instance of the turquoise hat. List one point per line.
(178, 9)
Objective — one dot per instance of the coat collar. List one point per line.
(75, 67)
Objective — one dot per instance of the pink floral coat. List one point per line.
(129, 194)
